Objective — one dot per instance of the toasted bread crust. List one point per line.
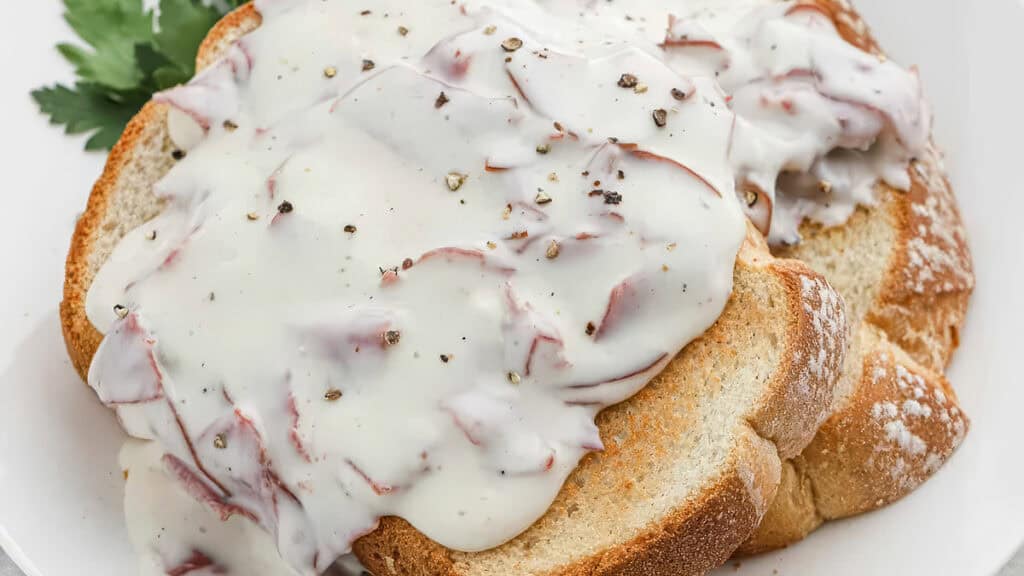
(912, 321)
(896, 430)
(914, 425)
(80, 336)
(231, 27)
(691, 541)
(700, 533)
(930, 278)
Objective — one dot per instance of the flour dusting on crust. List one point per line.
(938, 259)
(827, 313)
(916, 426)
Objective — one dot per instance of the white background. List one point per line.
(59, 485)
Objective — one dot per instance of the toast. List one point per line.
(693, 460)
(905, 272)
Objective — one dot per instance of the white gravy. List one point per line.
(415, 248)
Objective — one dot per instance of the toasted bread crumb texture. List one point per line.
(905, 272)
(142, 156)
(691, 462)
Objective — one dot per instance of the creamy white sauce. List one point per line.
(828, 118)
(158, 510)
(365, 298)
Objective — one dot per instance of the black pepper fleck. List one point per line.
(511, 44)
(628, 81)
(660, 117)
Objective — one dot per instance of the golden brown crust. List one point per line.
(81, 338)
(816, 352)
(913, 425)
(923, 301)
(236, 24)
(897, 429)
(915, 314)
(792, 515)
(700, 533)
(695, 538)
(929, 278)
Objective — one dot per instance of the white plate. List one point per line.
(60, 490)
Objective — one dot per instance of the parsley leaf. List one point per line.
(90, 108)
(97, 20)
(111, 28)
(183, 25)
(126, 57)
(158, 72)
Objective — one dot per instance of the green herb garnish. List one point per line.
(129, 54)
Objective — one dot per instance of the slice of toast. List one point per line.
(693, 460)
(904, 269)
